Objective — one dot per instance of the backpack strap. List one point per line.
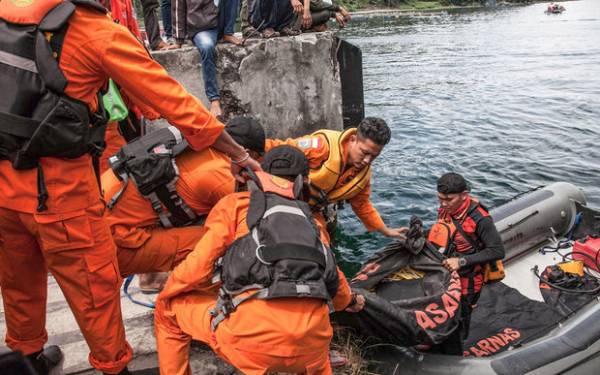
(180, 213)
(458, 225)
(467, 237)
(48, 45)
(258, 204)
(180, 147)
(226, 306)
(19, 126)
(56, 18)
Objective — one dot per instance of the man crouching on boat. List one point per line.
(466, 234)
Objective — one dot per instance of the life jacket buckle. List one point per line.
(259, 257)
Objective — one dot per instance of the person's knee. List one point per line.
(205, 43)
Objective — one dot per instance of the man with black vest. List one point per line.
(153, 235)
(466, 233)
(276, 279)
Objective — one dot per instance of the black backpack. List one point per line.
(281, 256)
(37, 118)
(149, 162)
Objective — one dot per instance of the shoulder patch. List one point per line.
(312, 142)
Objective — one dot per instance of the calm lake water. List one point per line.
(510, 98)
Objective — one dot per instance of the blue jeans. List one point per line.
(206, 41)
(228, 12)
(165, 11)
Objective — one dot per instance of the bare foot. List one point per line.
(153, 282)
(215, 108)
(345, 13)
(172, 46)
(161, 46)
(269, 32)
(341, 21)
(232, 39)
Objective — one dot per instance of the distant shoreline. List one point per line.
(373, 12)
(382, 12)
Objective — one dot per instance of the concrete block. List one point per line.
(292, 85)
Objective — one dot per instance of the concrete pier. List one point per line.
(291, 85)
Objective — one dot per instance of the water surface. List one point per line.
(510, 98)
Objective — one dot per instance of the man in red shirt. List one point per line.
(466, 232)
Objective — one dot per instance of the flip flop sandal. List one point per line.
(269, 34)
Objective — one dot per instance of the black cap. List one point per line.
(247, 132)
(285, 161)
(452, 183)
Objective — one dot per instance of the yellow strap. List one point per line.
(405, 273)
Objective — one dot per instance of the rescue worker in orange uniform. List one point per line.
(143, 244)
(340, 169)
(56, 56)
(258, 323)
(466, 233)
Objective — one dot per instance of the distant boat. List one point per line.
(555, 9)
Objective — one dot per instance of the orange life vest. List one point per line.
(443, 235)
(325, 179)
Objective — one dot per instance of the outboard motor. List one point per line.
(537, 216)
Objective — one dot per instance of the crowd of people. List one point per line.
(208, 22)
(239, 220)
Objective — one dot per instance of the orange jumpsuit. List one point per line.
(70, 239)
(144, 246)
(286, 334)
(316, 150)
